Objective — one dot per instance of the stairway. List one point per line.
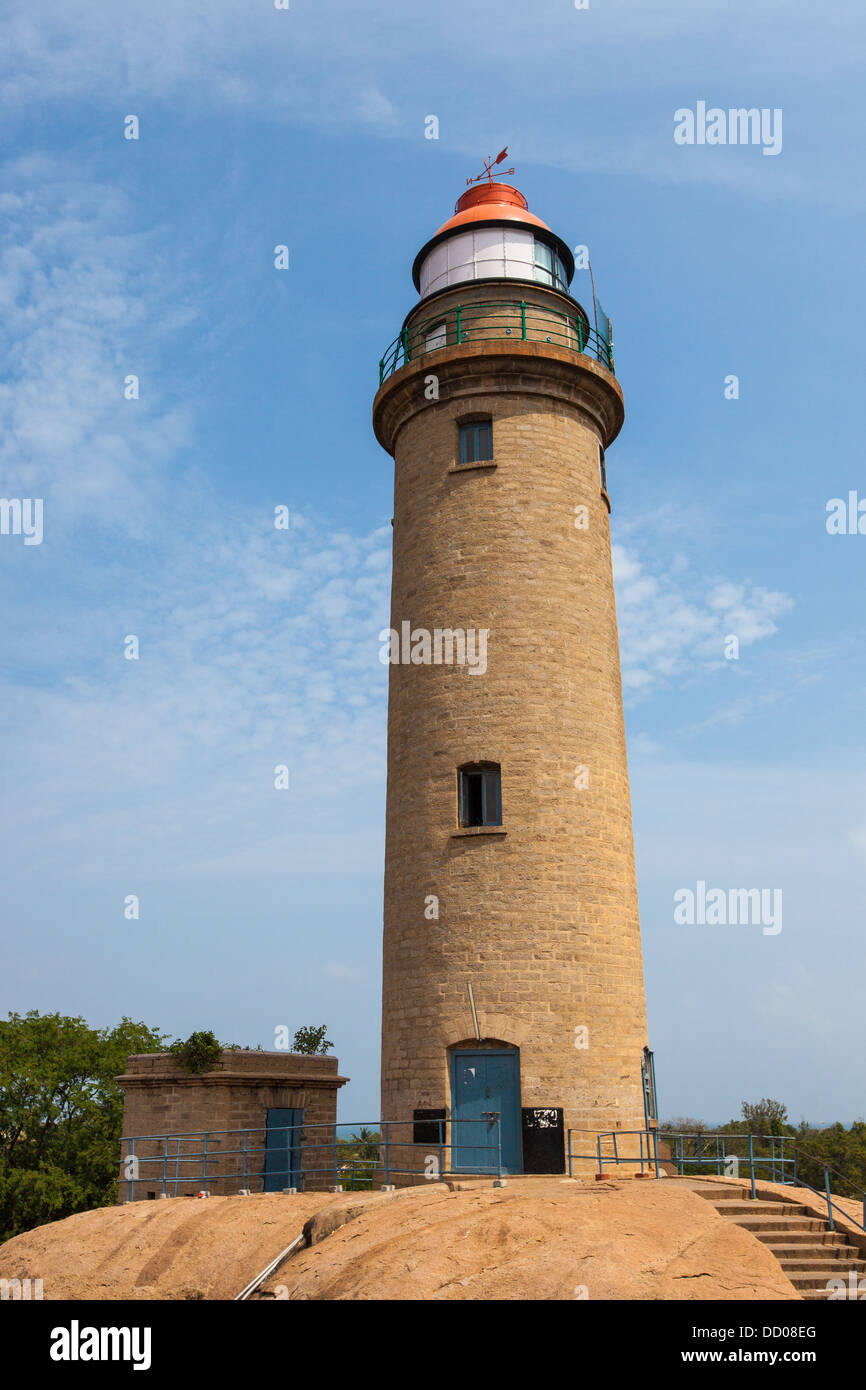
(808, 1251)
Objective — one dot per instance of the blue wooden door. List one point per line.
(484, 1084)
(282, 1149)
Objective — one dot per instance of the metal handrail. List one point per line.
(828, 1169)
(681, 1160)
(297, 1145)
(495, 320)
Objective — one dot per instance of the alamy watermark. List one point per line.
(736, 126)
(855, 1288)
(77, 1343)
(443, 646)
(22, 516)
(20, 1290)
(737, 907)
(846, 517)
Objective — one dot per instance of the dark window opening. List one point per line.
(601, 468)
(480, 795)
(476, 442)
(428, 1126)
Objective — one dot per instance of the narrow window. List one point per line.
(476, 442)
(480, 794)
(601, 469)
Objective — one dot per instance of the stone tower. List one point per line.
(513, 981)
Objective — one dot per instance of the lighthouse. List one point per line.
(513, 996)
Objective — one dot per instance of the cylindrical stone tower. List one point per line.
(513, 981)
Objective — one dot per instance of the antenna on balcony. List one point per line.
(489, 165)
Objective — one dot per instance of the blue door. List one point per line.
(483, 1085)
(283, 1149)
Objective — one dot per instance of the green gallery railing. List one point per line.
(496, 320)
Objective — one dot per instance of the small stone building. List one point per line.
(260, 1121)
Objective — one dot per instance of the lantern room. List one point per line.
(492, 236)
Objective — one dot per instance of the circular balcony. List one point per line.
(497, 320)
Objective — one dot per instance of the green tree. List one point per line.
(61, 1114)
(358, 1158)
(200, 1051)
(843, 1149)
(765, 1117)
(311, 1040)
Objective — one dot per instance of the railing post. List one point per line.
(570, 1162)
(655, 1135)
(615, 1150)
(640, 1140)
(829, 1202)
(204, 1154)
(387, 1128)
(580, 342)
(498, 1150)
(336, 1179)
(698, 1164)
(405, 337)
(752, 1164)
(441, 1124)
(523, 319)
(459, 330)
(598, 1144)
(381, 370)
(244, 1183)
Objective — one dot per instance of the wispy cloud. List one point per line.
(257, 649)
(668, 631)
(376, 110)
(84, 304)
(335, 67)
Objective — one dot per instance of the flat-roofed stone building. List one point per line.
(263, 1121)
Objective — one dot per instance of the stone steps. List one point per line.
(805, 1256)
(759, 1208)
(830, 1268)
(809, 1252)
(833, 1238)
(776, 1223)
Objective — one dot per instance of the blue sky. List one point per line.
(154, 257)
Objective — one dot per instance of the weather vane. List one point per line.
(489, 165)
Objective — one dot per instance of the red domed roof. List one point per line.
(491, 200)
